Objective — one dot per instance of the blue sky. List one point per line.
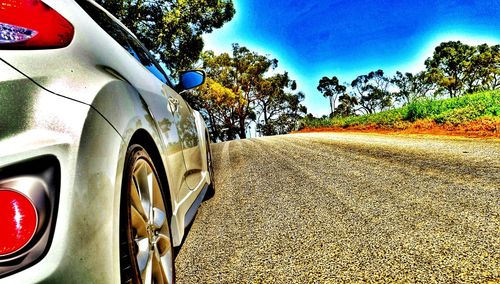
(312, 39)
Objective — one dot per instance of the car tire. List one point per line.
(146, 252)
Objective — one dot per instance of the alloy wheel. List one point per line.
(149, 239)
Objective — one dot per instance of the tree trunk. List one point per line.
(264, 111)
(331, 105)
(242, 129)
(215, 132)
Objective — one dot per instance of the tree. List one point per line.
(217, 104)
(454, 69)
(371, 92)
(410, 86)
(450, 66)
(219, 100)
(239, 92)
(279, 109)
(346, 106)
(248, 71)
(485, 69)
(331, 88)
(405, 84)
(288, 119)
(172, 29)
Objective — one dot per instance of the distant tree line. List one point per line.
(455, 69)
(242, 88)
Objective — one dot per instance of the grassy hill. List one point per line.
(477, 113)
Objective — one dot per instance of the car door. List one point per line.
(173, 117)
(190, 141)
(157, 94)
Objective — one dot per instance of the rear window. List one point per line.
(125, 39)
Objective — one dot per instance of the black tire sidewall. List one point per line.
(128, 263)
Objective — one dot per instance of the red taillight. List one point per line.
(31, 24)
(18, 221)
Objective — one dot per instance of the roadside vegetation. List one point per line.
(478, 113)
(454, 70)
(459, 90)
(244, 88)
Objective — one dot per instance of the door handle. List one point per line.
(173, 104)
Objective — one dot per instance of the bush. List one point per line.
(453, 111)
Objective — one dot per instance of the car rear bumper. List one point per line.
(35, 123)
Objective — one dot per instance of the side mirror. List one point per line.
(191, 79)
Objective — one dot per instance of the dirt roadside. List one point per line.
(484, 128)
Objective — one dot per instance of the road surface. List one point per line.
(338, 207)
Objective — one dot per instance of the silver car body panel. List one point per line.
(84, 104)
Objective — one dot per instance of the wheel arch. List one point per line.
(143, 138)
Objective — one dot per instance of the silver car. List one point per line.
(102, 163)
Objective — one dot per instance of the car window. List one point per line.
(130, 43)
(146, 59)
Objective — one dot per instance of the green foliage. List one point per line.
(410, 87)
(346, 106)
(457, 68)
(331, 88)
(313, 122)
(466, 107)
(371, 92)
(278, 109)
(240, 91)
(455, 111)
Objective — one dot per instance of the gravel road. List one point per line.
(339, 207)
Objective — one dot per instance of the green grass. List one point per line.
(453, 111)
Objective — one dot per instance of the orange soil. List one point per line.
(482, 128)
